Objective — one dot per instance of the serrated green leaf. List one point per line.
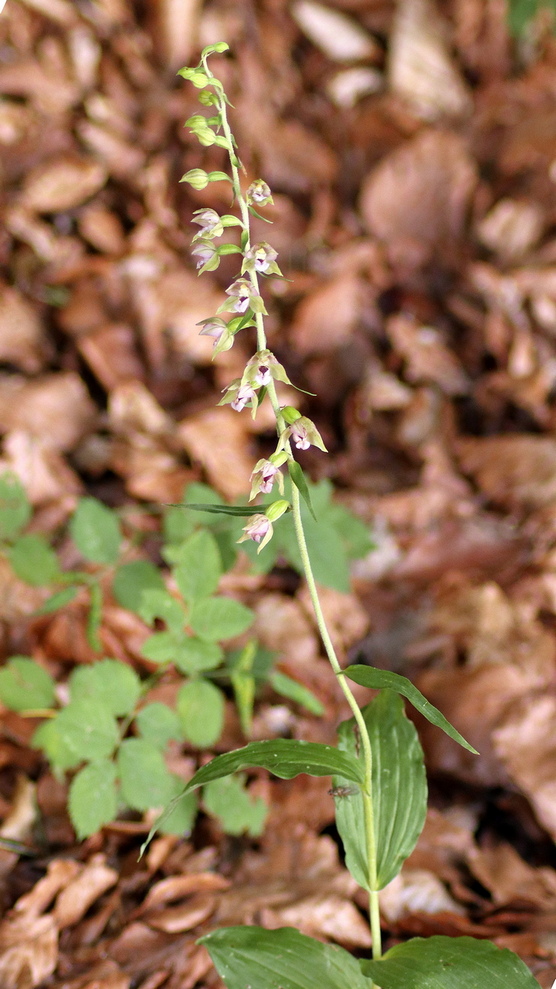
(26, 686)
(92, 798)
(34, 560)
(15, 509)
(399, 791)
(58, 600)
(158, 724)
(113, 683)
(230, 801)
(197, 655)
(86, 729)
(54, 744)
(144, 777)
(298, 477)
(200, 707)
(220, 618)
(161, 647)
(295, 692)
(368, 676)
(281, 959)
(441, 962)
(177, 525)
(95, 530)
(131, 580)
(284, 757)
(199, 566)
(160, 604)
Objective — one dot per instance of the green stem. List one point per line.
(374, 912)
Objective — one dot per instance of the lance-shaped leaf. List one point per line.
(251, 956)
(399, 789)
(238, 510)
(367, 676)
(285, 757)
(298, 478)
(441, 962)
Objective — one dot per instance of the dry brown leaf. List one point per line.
(509, 879)
(28, 951)
(217, 440)
(340, 37)
(44, 473)
(111, 353)
(427, 356)
(416, 891)
(174, 920)
(55, 408)
(327, 317)
(174, 25)
(515, 471)
(62, 184)
(83, 890)
(511, 228)
(421, 68)
(417, 198)
(22, 335)
(323, 915)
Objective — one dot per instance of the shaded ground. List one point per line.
(412, 159)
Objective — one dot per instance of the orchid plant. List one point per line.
(377, 768)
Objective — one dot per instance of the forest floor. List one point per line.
(411, 152)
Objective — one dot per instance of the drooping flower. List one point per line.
(261, 258)
(207, 254)
(244, 395)
(210, 223)
(300, 430)
(264, 473)
(259, 529)
(259, 193)
(262, 367)
(243, 291)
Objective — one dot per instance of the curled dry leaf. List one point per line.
(62, 184)
(28, 951)
(55, 408)
(23, 341)
(83, 890)
(517, 471)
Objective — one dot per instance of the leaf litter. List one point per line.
(414, 213)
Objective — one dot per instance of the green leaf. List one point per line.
(399, 791)
(95, 530)
(200, 707)
(220, 618)
(131, 580)
(196, 655)
(86, 730)
(158, 724)
(295, 692)
(59, 752)
(92, 798)
(199, 566)
(177, 525)
(243, 684)
(58, 600)
(298, 478)
(179, 817)
(368, 676)
(285, 757)
(15, 509)
(25, 686)
(441, 962)
(34, 560)
(281, 959)
(230, 801)
(160, 604)
(114, 684)
(162, 647)
(240, 510)
(144, 777)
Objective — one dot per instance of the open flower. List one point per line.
(302, 431)
(261, 258)
(210, 223)
(259, 193)
(217, 328)
(259, 529)
(244, 395)
(264, 473)
(207, 254)
(243, 291)
(262, 367)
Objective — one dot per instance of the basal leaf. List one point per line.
(34, 560)
(95, 530)
(200, 708)
(92, 798)
(199, 566)
(26, 686)
(368, 676)
(111, 682)
(285, 757)
(399, 791)
(131, 580)
(144, 778)
(281, 959)
(441, 962)
(220, 617)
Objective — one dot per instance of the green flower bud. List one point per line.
(290, 414)
(277, 509)
(197, 177)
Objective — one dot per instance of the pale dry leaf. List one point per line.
(346, 617)
(511, 228)
(174, 920)
(28, 951)
(120, 157)
(102, 229)
(59, 873)
(514, 471)
(132, 408)
(421, 68)
(427, 356)
(62, 184)
(282, 625)
(43, 471)
(55, 408)
(60, 11)
(22, 334)
(509, 879)
(416, 891)
(111, 352)
(324, 915)
(349, 86)
(83, 890)
(338, 36)
(177, 887)
(19, 822)
(173, 26)
(218, 441)
(524, 742)
(328, 316)
(419, 194)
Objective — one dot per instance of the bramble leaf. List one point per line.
(34, 560)
(26, 686)
(95, 530)
(92, 798)
(200, 707)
